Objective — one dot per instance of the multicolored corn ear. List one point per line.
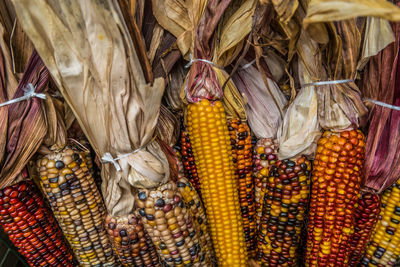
(366, 216)
(284, 212)
(131, 243)
(77, 205)
(384, 246)
(337, 174)
(192, 202)
(263, 157)
(241, 145)
(187, 158)
(211, 144)
(171, 226)
(31, 227)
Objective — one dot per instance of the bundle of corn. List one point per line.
(366, 215)
(189, 165)
(384, 246)
(31, 226)
(336, 178)
(263, 158)
(194, 204)
(283, 216)
(170, 226)
(241, 145)
(77, 205)
(130, 241)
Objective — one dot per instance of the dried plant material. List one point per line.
(23, 123)
(300, 130)
(168, 126)
(381, 82)
(378, 34)
(176, 79)
(285, 8)
(265, 105)
(335, 10)
(91, 56)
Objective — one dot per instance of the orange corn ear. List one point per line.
(336, 180)
(263, 157)
(189, 165)
(366, 215)
(209, 135)
(283, 215)
(242, 159)
(384, 246)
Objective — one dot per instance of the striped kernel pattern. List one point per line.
(211, 144)
(189, 165)
(31, 227)
(77, 205)
(336, 179)
(131, 243)
(284, 212)
(241, 145)
(170, 226)
(384, 246)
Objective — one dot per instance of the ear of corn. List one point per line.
(263, 157)
(77, 205)
(31, 226)
(336, 181)
(189, 165)
(193, 203)
(283, 215)
(170, 226)
(366, 215)
(131, 243)
(241, 145)
(209, 135)
(384, 246)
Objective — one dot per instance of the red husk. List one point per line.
(382, 82)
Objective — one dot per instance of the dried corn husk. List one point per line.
(334, 10)
(92, 58)
(265, 105)
(168, 126)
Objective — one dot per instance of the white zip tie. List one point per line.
(192, 60)
(382, 104)
(327, 82)
(108, 158)
(248, 64)
(29, 92)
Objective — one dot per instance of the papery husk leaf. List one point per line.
(335, 10)
(232, 31)
(265, 106)
(91, 56)
(285, 8)
(300, 130)
(378, 35)
(168, 126)
(176, 79)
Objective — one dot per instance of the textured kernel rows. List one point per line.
(336, 181)
(131, 243)
(284, 212)
(170, 226)
(77, 205)
(210, 139)
(384, 246)
(241, 145)
(189, 165)
(31, 227)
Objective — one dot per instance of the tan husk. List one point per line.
(91, 56)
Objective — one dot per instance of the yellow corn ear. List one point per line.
(210, 138)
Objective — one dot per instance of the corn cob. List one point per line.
(77, 205)
(284, 208)
(130, 241)
(31, 226)
(170, 226)
(336, 183)
(242, 159)
(263, 157)
(189, 166)
(366, 215)
(209, 134)
(384, 246)
(192, 202)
